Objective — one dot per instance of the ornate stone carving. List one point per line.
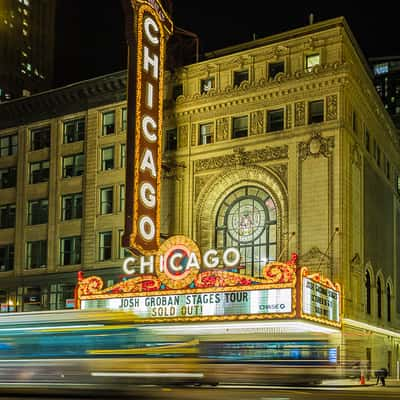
(289, 116)
(313, 256)
(317, 146)
(256, 123)
(356, 156)
(183, 136)
(331, 107)
(194, 136)
(199, 183)
(241, 157)
(281, 171)
(222, 129)
(299, 113)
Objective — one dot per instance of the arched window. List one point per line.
(246, 220)
(388, 303)
(368, 292)
(379, 297)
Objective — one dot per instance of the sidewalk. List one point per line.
(356, 383)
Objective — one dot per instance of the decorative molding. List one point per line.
(183, 136)
(257, 123)
(314, 255)
(289, 116)
(299, 113)
(356, 157)
(331, 107)
(241, 157)
(281, 170)
(317, 146)
(222, 129)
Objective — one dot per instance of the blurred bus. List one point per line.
(75, 347)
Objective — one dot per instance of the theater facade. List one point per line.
(274, 147)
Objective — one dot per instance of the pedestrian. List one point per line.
(380, 375)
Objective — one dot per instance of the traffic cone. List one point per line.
(362, 380)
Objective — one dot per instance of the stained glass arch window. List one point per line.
(247, 220)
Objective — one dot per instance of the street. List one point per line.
(221, 392)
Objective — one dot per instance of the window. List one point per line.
(368, 292)
(70, 250)
(108, 123)
(123, 155)
(106, 200)
(6, 257)
(247, 221)
(398, 185)
(239, 77)
(379, 297)
(38, 211)
(74, 130)
(105, 246)
(367, 140)
(36, 254)
(206, 133)
(387, 169)
(40, 138)
(388, 303)
(107, 158)
(71, 206)
(207, 84)
(171, 139)
(177, 91)
(239, 127)
(275, 120)
(121, 197)
(73, 165)
(378, 155)
(8, 177)
(8, 145)
(354, 121)
(275, 68)
(124, 119)
(7, 216)
(311, 61)
(315, 111)
(39, 172)
(123, 253)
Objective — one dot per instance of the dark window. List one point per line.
(354, 122)
(8, 177)
(207, 84)
(7, 216)
(40, 138)
(108, 123)
(239, 77)
(39, 172)
(36, 254)
(177, 91)
(368, 292)
(275, 120)
(389, 303)
(315, 111)
(8, 145)
(105, 248)
(73, 165)
(107, 158)
(367, 140)
(124, 119)
(74, 131)
(379, 297)
(123, 253)
(106, 200)
(239, 127)
(206, 133)
(275, 68)
(71, 206)
(171, 139)
(6, 257)
(38, 212)
(70, 250)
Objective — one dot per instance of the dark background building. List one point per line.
(26, 47)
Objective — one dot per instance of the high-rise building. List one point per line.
(26, 47)
(386, 72)
(277, 146)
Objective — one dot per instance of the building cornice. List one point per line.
(69, 99)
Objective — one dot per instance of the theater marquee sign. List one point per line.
(182, 284)
(148, 27)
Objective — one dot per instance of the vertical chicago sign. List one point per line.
(148, 27)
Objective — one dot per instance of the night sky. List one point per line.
(90, 36)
